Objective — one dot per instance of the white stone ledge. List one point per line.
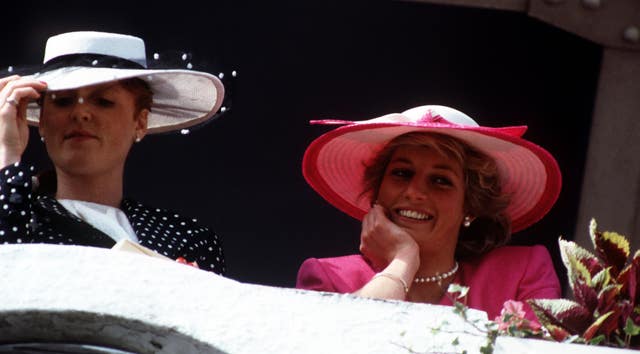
(141, 304)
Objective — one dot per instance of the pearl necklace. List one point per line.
(438, 277)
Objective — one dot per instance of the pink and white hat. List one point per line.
(334, 163)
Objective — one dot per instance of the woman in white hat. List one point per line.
(92, 99)
(438, 197)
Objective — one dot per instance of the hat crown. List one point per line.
(90, 42)
(435, 114)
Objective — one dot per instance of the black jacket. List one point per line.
(26, 217)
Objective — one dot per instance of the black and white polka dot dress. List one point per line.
(26, 217)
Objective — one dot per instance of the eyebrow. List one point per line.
(401, 159)
(445, 167)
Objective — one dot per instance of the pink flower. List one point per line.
(513, 315)
(513, 308)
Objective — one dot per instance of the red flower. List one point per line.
(184, 261)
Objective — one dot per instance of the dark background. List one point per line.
(299, 60)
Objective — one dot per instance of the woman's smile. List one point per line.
(414, 215)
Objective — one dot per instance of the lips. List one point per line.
(79, 134)
(413, 214)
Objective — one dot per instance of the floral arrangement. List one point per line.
(606, 305)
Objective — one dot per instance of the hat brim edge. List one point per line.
(120, 74)
(546, 201)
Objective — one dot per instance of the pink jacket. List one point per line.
(506, 273)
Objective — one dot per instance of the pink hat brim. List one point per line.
(334, 163)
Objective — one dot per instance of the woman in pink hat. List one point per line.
(92, 100)
(438, 196)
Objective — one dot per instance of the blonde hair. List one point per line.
(483, 196)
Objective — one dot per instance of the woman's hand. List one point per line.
(382, 241)
(15, 94)
(392, 252)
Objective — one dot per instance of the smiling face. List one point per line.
(423, 192)
(484, 200)
(90, 130)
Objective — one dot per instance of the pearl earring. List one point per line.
(42, 139)
(467, 221)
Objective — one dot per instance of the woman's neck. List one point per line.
(432, 264)
(103, 189)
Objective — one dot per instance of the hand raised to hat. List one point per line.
(15, 92)
(382, 241)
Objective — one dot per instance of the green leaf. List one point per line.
(487, 349)
(512, 329)
(597, 340)
(455, 341)
(631, 329)
(460, 309)
(461, 290)
(491, 326)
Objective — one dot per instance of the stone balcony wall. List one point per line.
(128, 302)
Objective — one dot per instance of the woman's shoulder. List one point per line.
(513, 257)
(348, 261)
(517, 251)
(341, 274)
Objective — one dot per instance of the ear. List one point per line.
(141, 124)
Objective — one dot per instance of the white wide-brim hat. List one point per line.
(181, 98)
(334, 163)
